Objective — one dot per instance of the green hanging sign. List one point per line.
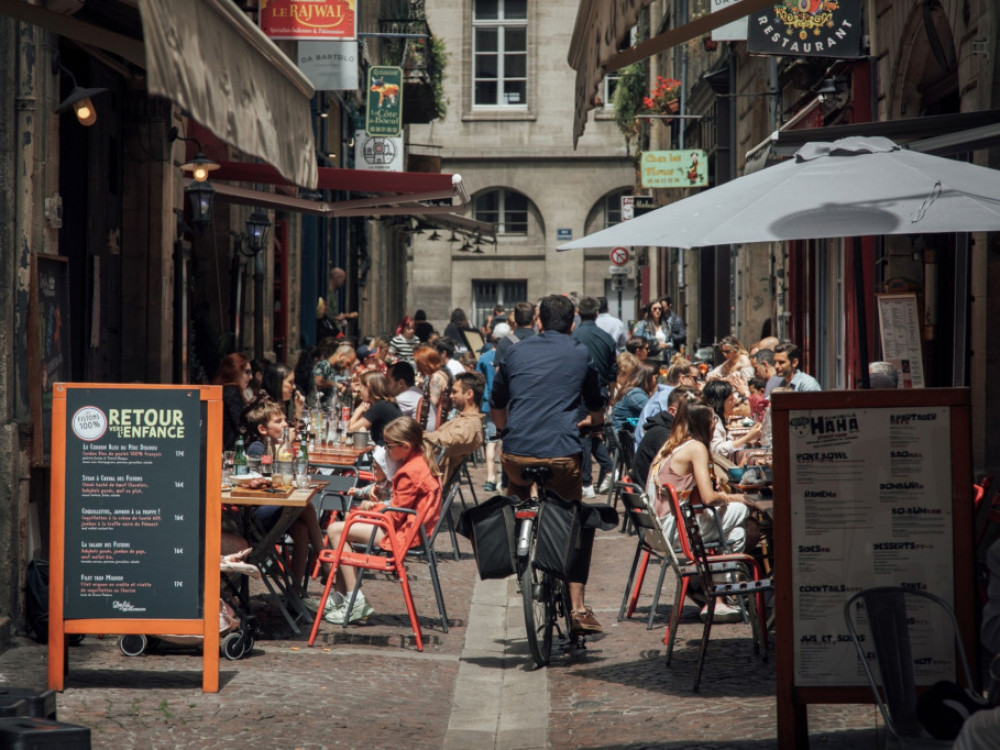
(384, 116)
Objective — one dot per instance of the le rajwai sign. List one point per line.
(812, 28)
(309, 19)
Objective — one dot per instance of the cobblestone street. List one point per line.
(367, 686)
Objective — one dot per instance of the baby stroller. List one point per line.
(236, 632)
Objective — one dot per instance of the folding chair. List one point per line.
(334, 497)
(624, 458)
(654, 544)
(889, 628)
(749, 585)
(392, 560)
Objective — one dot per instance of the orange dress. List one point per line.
(413, 486)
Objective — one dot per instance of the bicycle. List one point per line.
(546, 599)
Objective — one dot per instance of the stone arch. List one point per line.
(925, 76)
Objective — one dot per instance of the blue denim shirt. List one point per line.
(542, 383)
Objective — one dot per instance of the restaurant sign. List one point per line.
(812, 28)
(384, 113)
(674, 169)
(309, 19)
(377, 153)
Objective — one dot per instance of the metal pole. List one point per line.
(862, 322)
(258, 304)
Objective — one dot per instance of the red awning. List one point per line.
(353, 180)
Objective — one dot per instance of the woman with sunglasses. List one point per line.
(416, 484)
(736, 369)
(234, 376)
(727, 403)
(653, 328)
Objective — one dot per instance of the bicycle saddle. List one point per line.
(536, 475)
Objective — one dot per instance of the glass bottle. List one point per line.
(302, 465)
(239, 459)
(267, 459)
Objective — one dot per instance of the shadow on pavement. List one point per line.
(853, 739)
(731, 668)
(151, 678)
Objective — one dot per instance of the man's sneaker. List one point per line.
(724, 612)
(490, 486)
(585, 622)
(588, 491)
(605, 485)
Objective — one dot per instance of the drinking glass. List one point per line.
(227, 468)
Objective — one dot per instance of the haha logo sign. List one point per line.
(815, 28)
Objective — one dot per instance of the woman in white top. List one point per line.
(653, 328)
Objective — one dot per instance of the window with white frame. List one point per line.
(500, 53)
(508, 209)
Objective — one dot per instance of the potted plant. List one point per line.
(663, 98)
(628, 99)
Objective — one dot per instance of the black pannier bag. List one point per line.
(491, 526)
(558, 542)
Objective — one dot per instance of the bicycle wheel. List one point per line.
(539, 613)
(564, 609)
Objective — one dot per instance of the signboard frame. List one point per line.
(792, 700)
(384, 101)
(207, 624)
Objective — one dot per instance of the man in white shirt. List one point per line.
(401, 382)
(446, 348)
(611, 325)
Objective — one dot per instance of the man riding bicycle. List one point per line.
(536, 395)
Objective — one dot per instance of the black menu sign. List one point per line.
(134, 510)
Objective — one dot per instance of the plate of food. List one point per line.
(241, 479)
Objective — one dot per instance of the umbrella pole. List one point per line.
(862, 317)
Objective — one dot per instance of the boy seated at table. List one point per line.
(267, 422)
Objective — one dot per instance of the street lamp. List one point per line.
(200, 195)
(200, 165)
(257, 226)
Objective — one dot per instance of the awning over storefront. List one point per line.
(601, 26)
(208, 57)
(392, 193)
(938, 134)
(211, 59)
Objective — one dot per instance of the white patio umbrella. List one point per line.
(853, 187)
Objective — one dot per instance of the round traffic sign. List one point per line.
(619, 256)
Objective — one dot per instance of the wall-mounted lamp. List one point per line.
(200, 195)
(79, 99)
(257, 226)
(200, 165)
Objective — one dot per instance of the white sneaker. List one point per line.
(724, 612)
(362, 611)
(588, 491)
(336, 608)
(605, 485)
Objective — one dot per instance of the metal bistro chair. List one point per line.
(624, 444)
(889, 627)
(375, 558)
(654, 544)
(749, 586)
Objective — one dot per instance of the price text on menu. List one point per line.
(133, 504)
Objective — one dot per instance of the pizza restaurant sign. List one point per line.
(309, 19)
(810, 28)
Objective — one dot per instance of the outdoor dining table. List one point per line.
(264, 554)
(338, 456)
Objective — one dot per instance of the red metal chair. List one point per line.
(372, 557)
(749, 586)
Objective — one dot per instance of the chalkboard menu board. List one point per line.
(133, 504)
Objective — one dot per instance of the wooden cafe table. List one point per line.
(264, 554)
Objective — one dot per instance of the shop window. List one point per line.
(508, 209)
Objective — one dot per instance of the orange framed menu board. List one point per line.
(871, 488)
(135, 545)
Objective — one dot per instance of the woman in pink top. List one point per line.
(416, 484)
(683, 463)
